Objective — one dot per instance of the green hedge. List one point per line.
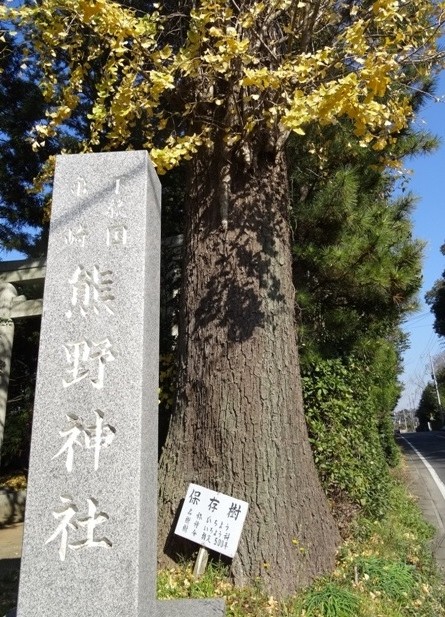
(345, 433)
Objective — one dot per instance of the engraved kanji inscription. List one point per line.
(79, 188)
(70, 524)
(87, 360)
(117, 235)
(90, 522)
(76, 236)
(85, 437)
(91, 290)
(65, 514)
(116, 208)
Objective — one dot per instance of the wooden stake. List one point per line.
(201, 562)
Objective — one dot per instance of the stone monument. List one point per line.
(89, 545)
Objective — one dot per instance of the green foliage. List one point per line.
(402, 534)
(387, 441)
(166, 380)
(394, 579)
(357, 267)
(23, 211)
(331, 600)
(15, 448)
(384, 367)
(436, 299)
(167, 393)
(21, 106)
(344, 433)
(357, 270)
(429, 410)
(391, 563)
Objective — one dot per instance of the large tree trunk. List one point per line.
(239, 426)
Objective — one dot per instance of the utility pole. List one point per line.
(412, 410)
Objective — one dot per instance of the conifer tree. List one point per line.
(357, 270)
(430, 411)
(357, 267)
(436, 299)
(24, 212)
(21, 107)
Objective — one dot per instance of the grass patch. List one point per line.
(384, 569)
(394, 579)
(330, 600)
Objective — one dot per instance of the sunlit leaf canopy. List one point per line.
(187, 72)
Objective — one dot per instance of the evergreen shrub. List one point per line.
(344, 434)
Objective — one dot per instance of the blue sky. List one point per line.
(428, 183)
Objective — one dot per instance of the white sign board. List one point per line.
(212, 519)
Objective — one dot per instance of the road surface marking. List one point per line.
(440, 485)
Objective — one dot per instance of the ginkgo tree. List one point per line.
(222, 84)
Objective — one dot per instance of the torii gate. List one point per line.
(13, 306)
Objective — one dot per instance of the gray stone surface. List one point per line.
(197, 608)
(8, 295)
(26, 308)
(20, 270)
(90, 527)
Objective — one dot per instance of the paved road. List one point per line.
(425, 454)
(432, 446)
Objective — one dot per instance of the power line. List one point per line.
(416, 318)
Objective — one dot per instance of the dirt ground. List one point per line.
(10, 542)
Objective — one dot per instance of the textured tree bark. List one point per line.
(239, 425)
